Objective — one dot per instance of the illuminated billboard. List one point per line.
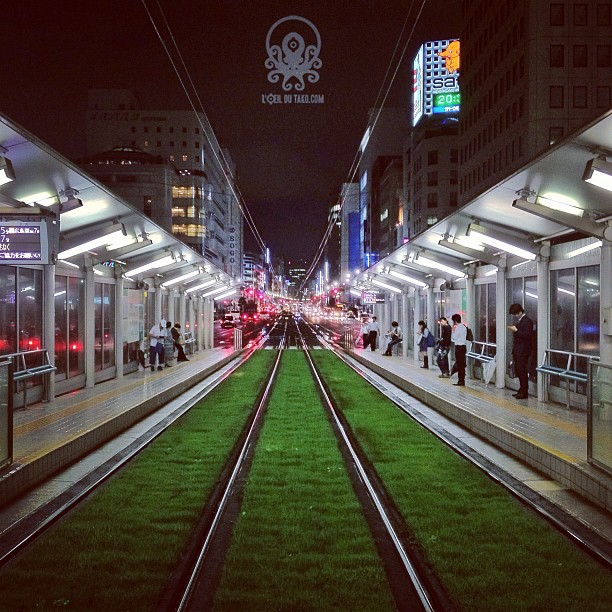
(436, 79)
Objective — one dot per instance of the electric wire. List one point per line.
(359, 155)
(207, 130)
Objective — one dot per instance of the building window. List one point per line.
(580, 96)
(197, 159)
(184, 143)
(603, 96)
(454, 156)
(557, 56)
(432, 199)
(171, 130)
(147, 205)
(603, 15)
(432, 158)
(557, 14)
(132, 129)
(146, 129)
(556, 96)
(580, 14)
(159, 143)
(432, 179)
(453, 176)
(555, 134)
(172, 143)
(146, 144)
(197, 145)
(580, 56)
(171, 158)
(184, 130)
(452, 198)
(603, 56)
(158, 130)
(184, 158)
(431, 220)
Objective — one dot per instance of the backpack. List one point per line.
(469, 336)
(431, 341)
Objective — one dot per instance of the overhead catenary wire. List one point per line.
(216, 151)
(372, 125)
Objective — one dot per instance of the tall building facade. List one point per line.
(200, 197)
(534, 72)
(349, 230)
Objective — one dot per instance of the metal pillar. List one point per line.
(605, 274)
(90, 329)
(501, 316)
(403, 321)
(49, 326)
(543, 320)
(118, 324)
(171, 314)
(417, 318)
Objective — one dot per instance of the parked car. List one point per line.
(227, 321)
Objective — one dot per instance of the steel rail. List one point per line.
(49, 513)
(191, 583)
(409, 567)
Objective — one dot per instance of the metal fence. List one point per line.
(6, 413)
(599, 424)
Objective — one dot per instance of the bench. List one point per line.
(562, 364)
(24, 369)
(485, 354)
(189, 341)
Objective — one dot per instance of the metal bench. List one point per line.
(485, 354)
(24, 370)
(189, 341)
(566, 369)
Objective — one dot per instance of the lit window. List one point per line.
(185, 157)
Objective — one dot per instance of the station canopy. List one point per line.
(96, 227)
(546, 202)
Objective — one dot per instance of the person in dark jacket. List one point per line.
(444, 345)
(521, 348)
(177, 336)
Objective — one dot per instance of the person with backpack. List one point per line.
(459, 339)
(427, 341)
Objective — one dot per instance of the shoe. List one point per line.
(152, 368)
(443, 375)
(521, 396)
(424, 367)
(459, 384)
(159, 368)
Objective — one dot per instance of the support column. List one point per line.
(198, 325)
(90, 329)
(543, 320)
(501, 317)
(118, 323)
(430, 318)
(49, 323)
(182, 318)
(470, 299)
(605, 274)
(158, 303)
(403, 321)
(171, 314)
(417, 318)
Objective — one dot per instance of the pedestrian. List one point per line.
(168, 345)
(444, 344)
(177, 336)
(365, 333)
(521, 348)
(374, 329)
(156, 346)
(426, 342)
(459, 339)
(396, 338)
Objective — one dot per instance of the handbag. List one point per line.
(511, 370)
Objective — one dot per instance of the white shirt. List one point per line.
(154, 334)
(373, 326)
(459, 335)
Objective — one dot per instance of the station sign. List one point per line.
(27, 238)
(436, 79)
(372, 297)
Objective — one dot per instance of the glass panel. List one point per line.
(76, 326)
(531, 310)
(164, 306)
(480, 333)
(5, 417)
(8, 310)
(61, 325)
(562, 296)
(491, 312)
(601, 415)
(99, 331)
(30, 310)
(109, 325)
(588, 310)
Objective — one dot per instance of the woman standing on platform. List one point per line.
(169, 345)
(365, 333)
(427, 340)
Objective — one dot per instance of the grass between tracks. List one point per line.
(115, 552)
(301, 541)
(490, 552)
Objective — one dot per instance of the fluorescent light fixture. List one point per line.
(158, 263)
(560, 202)
(430, 263)
(378, 283)
(585, 249)
(7, 174)
(488, 236)
(355, 292)
(208, 283)
(225, 295)
(44, 198)
(181, 278)
(408, 279)
(531, 295)
(491, 272)
(468, 242)
(214, 291)
(92, 244)
(598, 172)
(561, 290)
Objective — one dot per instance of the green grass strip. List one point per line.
(490, 552)
(301, 541)
(115, 552)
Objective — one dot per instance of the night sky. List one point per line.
(291, 158)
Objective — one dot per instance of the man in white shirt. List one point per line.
(374, 328)
(156, 345)
(459, 339)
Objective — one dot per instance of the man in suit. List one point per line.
(523, 333)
